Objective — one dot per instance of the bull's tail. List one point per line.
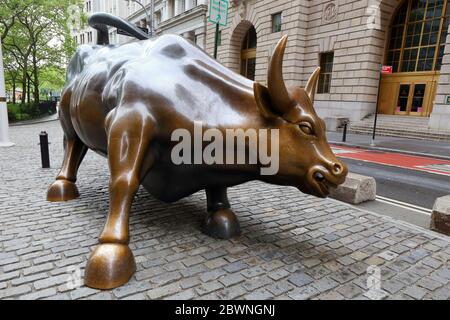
(101, 20)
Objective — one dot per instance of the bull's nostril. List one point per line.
(337, 168)
(319, 176)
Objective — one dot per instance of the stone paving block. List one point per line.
(211, 275)
(415, 292)
(229, 293)
(300, 279)
(235, 266)
(279, 288)
(51, 281)
(184, 295)
(349, 290)
(392, 285)
(231, 279)
(39, 294)
(160, 292)
(208, 287)
(303, 293)
(257, 282)
(259, 294)
(441, 294)
(15, 291)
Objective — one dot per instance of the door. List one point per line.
(409, 94)
(411, 99)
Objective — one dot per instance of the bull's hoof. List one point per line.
(110, 266)
(62, 190)
(222, 224)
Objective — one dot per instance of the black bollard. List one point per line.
(43, 141)
(344, 134)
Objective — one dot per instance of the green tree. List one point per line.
(35, 37)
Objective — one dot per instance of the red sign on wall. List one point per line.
(386, 69)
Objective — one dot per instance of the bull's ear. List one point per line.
(312, 84)
(262, 98)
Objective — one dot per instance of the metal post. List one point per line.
(376, 109)
(148, 17)
(4, 137)
(216, 41)
(344, 134)
(43, 142)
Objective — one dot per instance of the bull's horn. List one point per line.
(278, 93)
(312, 84)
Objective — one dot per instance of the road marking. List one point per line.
(424, 164)
(404, 205)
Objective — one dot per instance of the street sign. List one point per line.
(218, 11)
(447, 100)
(386, 69)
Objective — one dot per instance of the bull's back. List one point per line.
(181, 78)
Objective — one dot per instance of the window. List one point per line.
(182, 6)
(326, 66)
(276, 22)
(248, 54)
(417, 35)
(157, 18)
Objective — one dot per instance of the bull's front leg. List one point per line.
(130, 130)
(220, 221)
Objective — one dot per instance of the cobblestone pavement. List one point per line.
(292, 246)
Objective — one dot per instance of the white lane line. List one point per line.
(404, 205)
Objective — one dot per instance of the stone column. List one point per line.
(4, 137)
(440, 117)
(189, 4)
(177, 7)
(201, 39)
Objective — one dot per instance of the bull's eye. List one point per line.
(306, 128)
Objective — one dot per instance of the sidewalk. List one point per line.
(438, 149)
(293, 246)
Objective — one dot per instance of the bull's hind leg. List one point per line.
(130, 132)
(64, 188)
(220, 221)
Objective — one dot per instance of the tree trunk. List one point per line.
(28, 90)
(14, 91)
(36, 79)
(24, 86)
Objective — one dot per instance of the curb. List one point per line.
(18, 124)
(412, 153)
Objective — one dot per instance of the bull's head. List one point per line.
(305, 160)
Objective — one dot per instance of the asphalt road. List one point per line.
(410, 186)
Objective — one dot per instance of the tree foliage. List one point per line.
(36, 43)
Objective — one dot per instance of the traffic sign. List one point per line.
(218, 11)
(386, 69)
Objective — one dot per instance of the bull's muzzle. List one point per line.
(321, 179)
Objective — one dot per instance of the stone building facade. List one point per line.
(352, 38)
(183, 17)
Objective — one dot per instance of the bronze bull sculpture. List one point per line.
(125, 101)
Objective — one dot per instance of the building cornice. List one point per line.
(182, 17)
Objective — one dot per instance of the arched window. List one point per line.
(248, 54)
(418, 34)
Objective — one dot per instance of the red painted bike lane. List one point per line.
(428, 164)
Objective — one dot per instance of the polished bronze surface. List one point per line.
(124, 102)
